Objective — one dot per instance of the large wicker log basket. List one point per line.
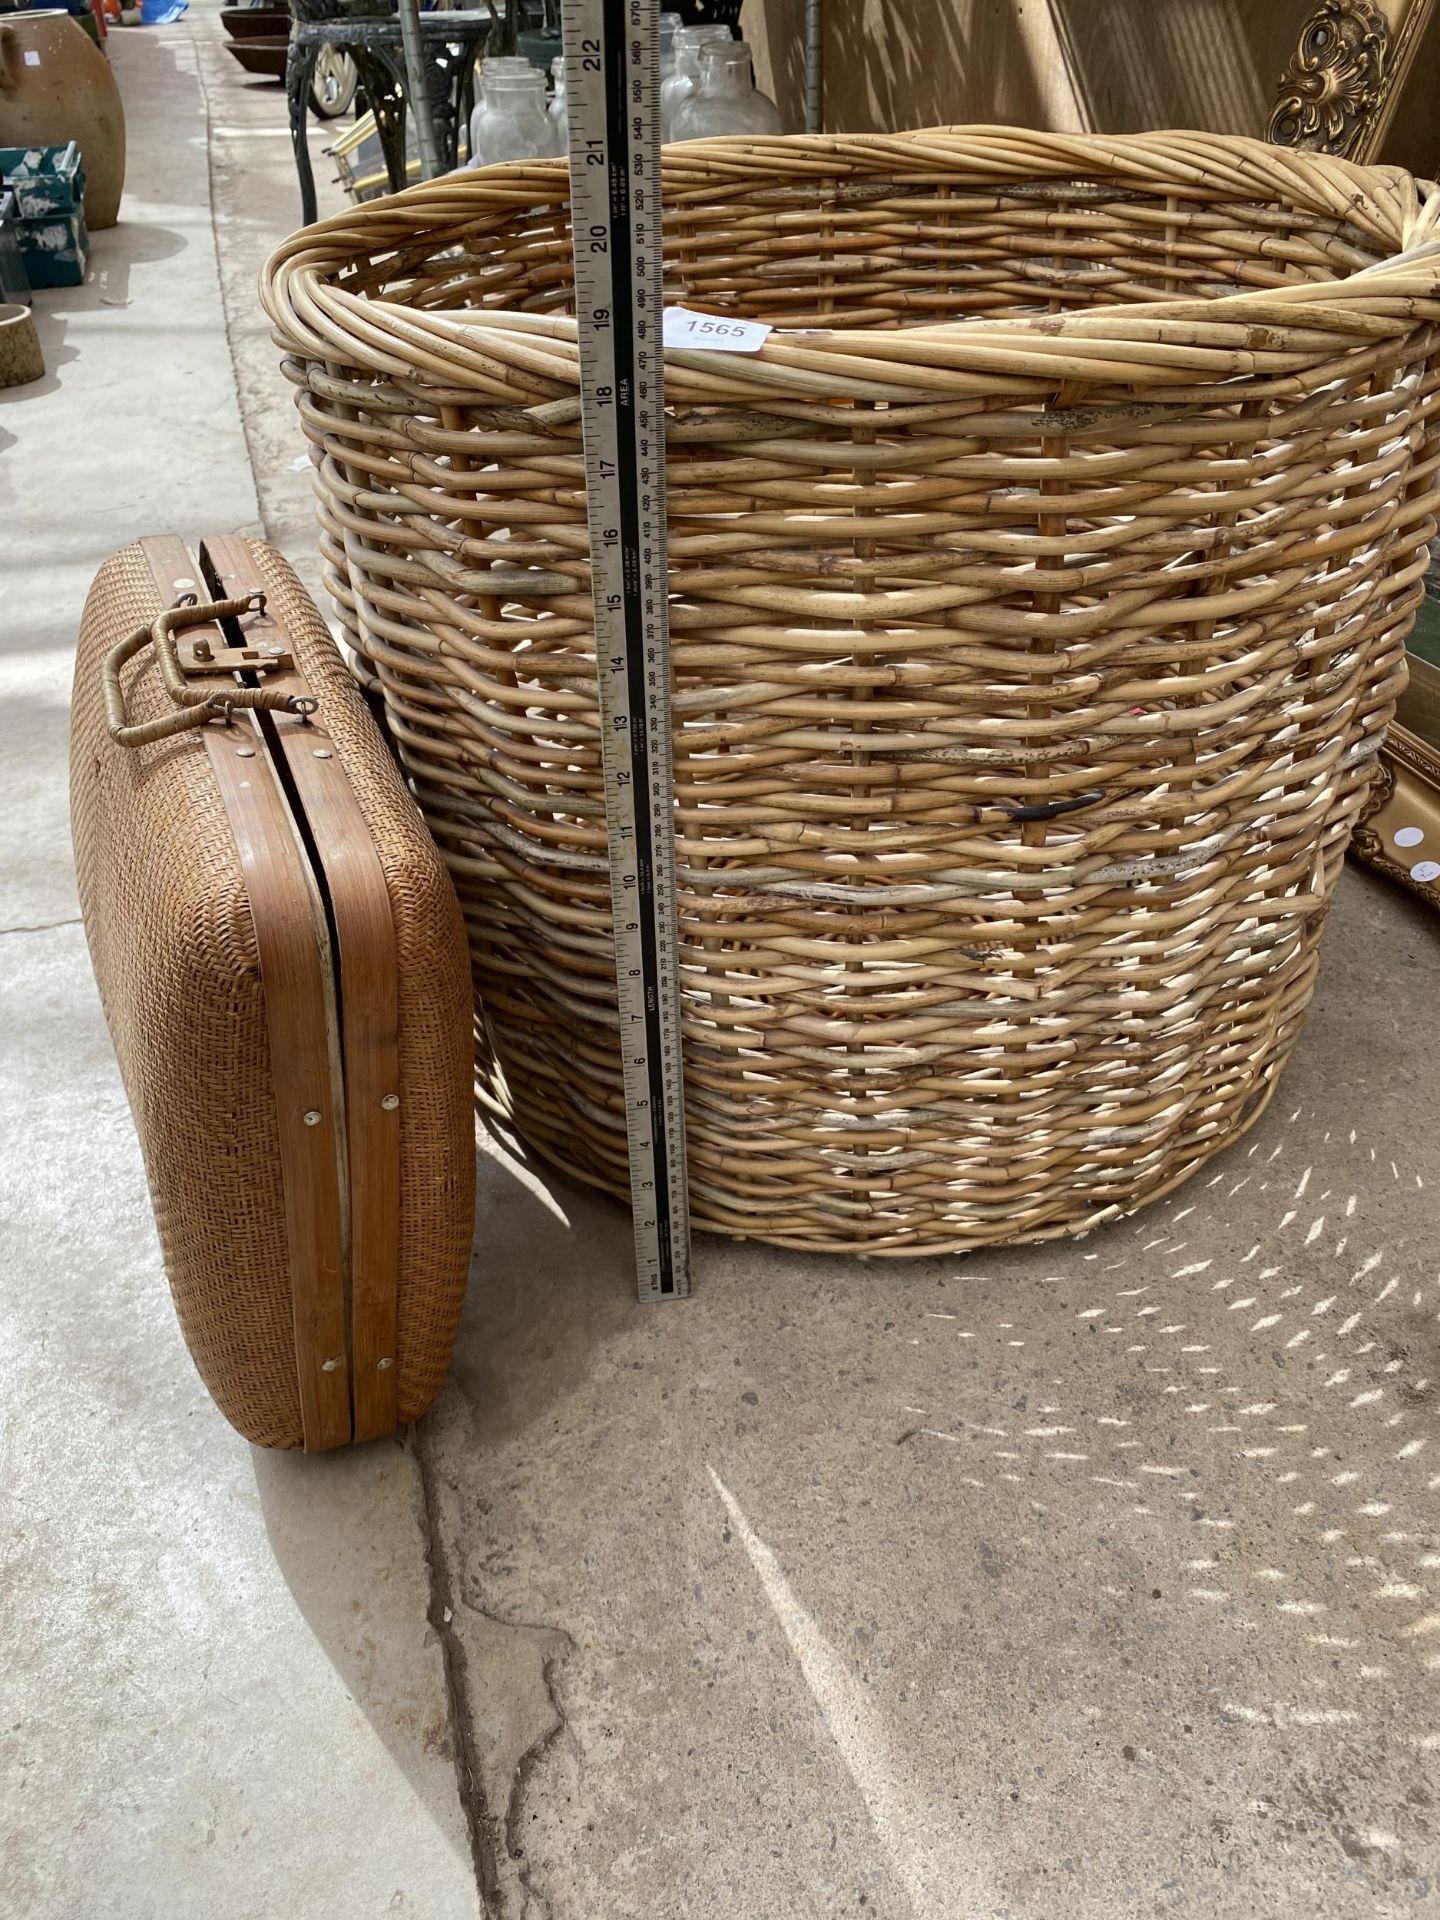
(1039, 597)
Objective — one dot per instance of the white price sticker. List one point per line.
(32, 59)
(713, 333)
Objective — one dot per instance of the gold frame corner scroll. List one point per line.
(1339, 92)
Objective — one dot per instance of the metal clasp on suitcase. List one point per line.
(183, 663)
(198, 653)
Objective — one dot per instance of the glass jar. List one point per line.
(725, 99)
(510, 121)
(681, 82)
(501, 63)
(486, 72)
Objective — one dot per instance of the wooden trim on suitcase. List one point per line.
(359, 899)
(326, 940)
(296, 973)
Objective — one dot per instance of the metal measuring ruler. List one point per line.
(612, 78)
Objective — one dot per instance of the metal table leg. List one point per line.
(450, 42)
(384, 81)
(299, 76)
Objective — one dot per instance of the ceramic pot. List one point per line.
(56, 86)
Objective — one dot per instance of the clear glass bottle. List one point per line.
(510, 121)
(557, 105)
(681, 82)
(725, 99)
(670, 25)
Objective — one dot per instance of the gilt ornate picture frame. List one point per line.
(1339, 94)
(1344, 81)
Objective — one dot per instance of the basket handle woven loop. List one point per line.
(194, 706)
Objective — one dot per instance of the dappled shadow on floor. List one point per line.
(1070, 1579)
(1062, 1579)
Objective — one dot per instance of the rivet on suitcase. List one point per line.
(284, 972)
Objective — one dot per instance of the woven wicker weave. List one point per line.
(172, 937)
(1038, 609)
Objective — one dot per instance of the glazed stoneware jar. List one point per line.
(56, 86)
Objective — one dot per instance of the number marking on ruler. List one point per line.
(612, 71)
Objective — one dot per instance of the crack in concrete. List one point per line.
(512, 1726)
(479, 1824)
(525, 1768)
(500, 1747)
(43, 926)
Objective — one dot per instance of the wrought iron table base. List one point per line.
(450, 42)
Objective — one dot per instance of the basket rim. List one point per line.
(1278, 334)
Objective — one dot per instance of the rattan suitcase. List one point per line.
(283, 968)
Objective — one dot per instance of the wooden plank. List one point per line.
(292, 941)
(368, 958)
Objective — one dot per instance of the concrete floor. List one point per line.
(1089, 1581)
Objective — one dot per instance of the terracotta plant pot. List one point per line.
(56, 86)
(20, 357)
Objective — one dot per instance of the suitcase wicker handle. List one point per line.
(193, 705)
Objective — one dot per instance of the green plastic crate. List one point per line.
(49, 187)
